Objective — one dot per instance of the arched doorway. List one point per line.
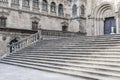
(109, 25)
(104, 19)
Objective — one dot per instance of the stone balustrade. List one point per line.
(23, 43)
(41, 34)
(57, 33)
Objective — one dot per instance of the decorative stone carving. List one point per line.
(35, 18)
(4, 38)
(4, 13)
(65, 23)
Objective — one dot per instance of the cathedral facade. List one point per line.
(45, 14)
(103, 17)
(21, 18)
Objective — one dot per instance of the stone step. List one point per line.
(89, 45)
(68, 63)
(75, 50)
(104, 41)
(89, 74)
(94, 66)
(72, 62)
(107, 44)
(39, 67)
(92, 42)
(68, 59)
(80, 41)
(77, 62)
(91, 58)
(83, 47)
(61, 47)
(60, 64)
(68, 55)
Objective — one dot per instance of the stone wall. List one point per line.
(6, 37)
(23, 20)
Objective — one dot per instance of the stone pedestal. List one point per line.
(40, 33)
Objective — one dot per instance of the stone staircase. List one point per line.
(89, 58)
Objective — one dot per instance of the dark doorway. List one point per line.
(35, 26)
(108, 24)
(64, 28)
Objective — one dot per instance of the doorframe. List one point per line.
(110, 27)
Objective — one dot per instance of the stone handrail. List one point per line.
(57, 33)
(23, 43)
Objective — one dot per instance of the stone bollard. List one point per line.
(112, 30)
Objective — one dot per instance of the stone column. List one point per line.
(117, 22)
(112, 30)
(48, 8)
(90, 25)
(40, 5)
(9, 3)
(21, 2)
(101, 26)
(97, 27)
(64, 9)
(31, 5)
(57, 10)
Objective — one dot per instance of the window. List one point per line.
(60, 9)
(36, 3)
(53, 7)
(26, 2)
(3, 22)
(74, 10)
(82, 9)
(15, 2)
(44, 5)
(3, 0)
(34, 25)
(69, 1)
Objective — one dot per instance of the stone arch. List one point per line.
(102, 9)
(101, 12)
(60, 9)
(53, 7)
(82, 9)
(74, 10)
(44, 5)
